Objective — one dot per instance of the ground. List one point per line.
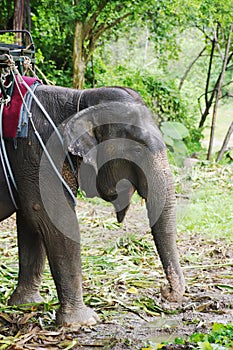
(122, 276)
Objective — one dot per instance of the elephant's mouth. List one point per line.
(120, 197)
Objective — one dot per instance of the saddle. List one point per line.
(12, 91)
(17, 58)
(18, 52)
(16, 94)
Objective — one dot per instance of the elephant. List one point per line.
(116, 149)
(7, 208)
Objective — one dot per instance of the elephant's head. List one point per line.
(116, 144)
(121, 150)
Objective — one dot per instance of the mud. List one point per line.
(206, 300)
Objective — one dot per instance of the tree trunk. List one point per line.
(190, 67)
(208, 102)
(146, 47)
(79, 63)
(225, 142)
(18, 19)
(219, 88)
(27, 15)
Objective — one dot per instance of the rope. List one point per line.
(52, 163)
(12, 69)
(79, 100)
(7, 179)
(27, 64)
(51, 123)
(38, 135)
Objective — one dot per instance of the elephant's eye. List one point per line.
(111, 192)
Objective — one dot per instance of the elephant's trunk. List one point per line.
(161, 206)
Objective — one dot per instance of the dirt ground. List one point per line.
(207, 299)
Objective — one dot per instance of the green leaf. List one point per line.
(224, 286)
(174, 130)
(205, 346)
(168, 140)
(179, 341)
(198, 337)
(179, 147)
(231, 153)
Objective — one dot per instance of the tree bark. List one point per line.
(219, 88)
(190, 67)
(79, 63)
(208, 102)
(146, 47)
(27, 15)
(225, 142)
(85, 39)
(18, 19)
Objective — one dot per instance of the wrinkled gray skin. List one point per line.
(6, 206)
(39, 237)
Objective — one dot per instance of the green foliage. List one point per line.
(174, 133)
(6, 14)
(220, 338)
(163, 98)
(167, 99)
(221, 334)
(7, 38)
(124, 23)
(53, 24)
(172, 107)
(170, 133)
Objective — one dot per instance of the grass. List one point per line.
(209, 210)
(224, 118)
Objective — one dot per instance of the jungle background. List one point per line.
(178, 55)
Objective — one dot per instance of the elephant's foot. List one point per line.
(83, 316)
(175, 291)
(171, 294)
(25, 296)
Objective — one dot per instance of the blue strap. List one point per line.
(34, 97)
(51, 123)
(3, 153)
(22, 130)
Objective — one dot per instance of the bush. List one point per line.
(162, 97)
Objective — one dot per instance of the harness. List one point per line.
(15, 62)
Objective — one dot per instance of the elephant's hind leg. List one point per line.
(31, 263)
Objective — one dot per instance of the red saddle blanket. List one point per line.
(11, 112)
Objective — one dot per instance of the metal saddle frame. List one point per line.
(17, 60)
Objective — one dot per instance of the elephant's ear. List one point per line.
(79, 136)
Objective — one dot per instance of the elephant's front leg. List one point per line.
(65, 263)
(31, 263)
